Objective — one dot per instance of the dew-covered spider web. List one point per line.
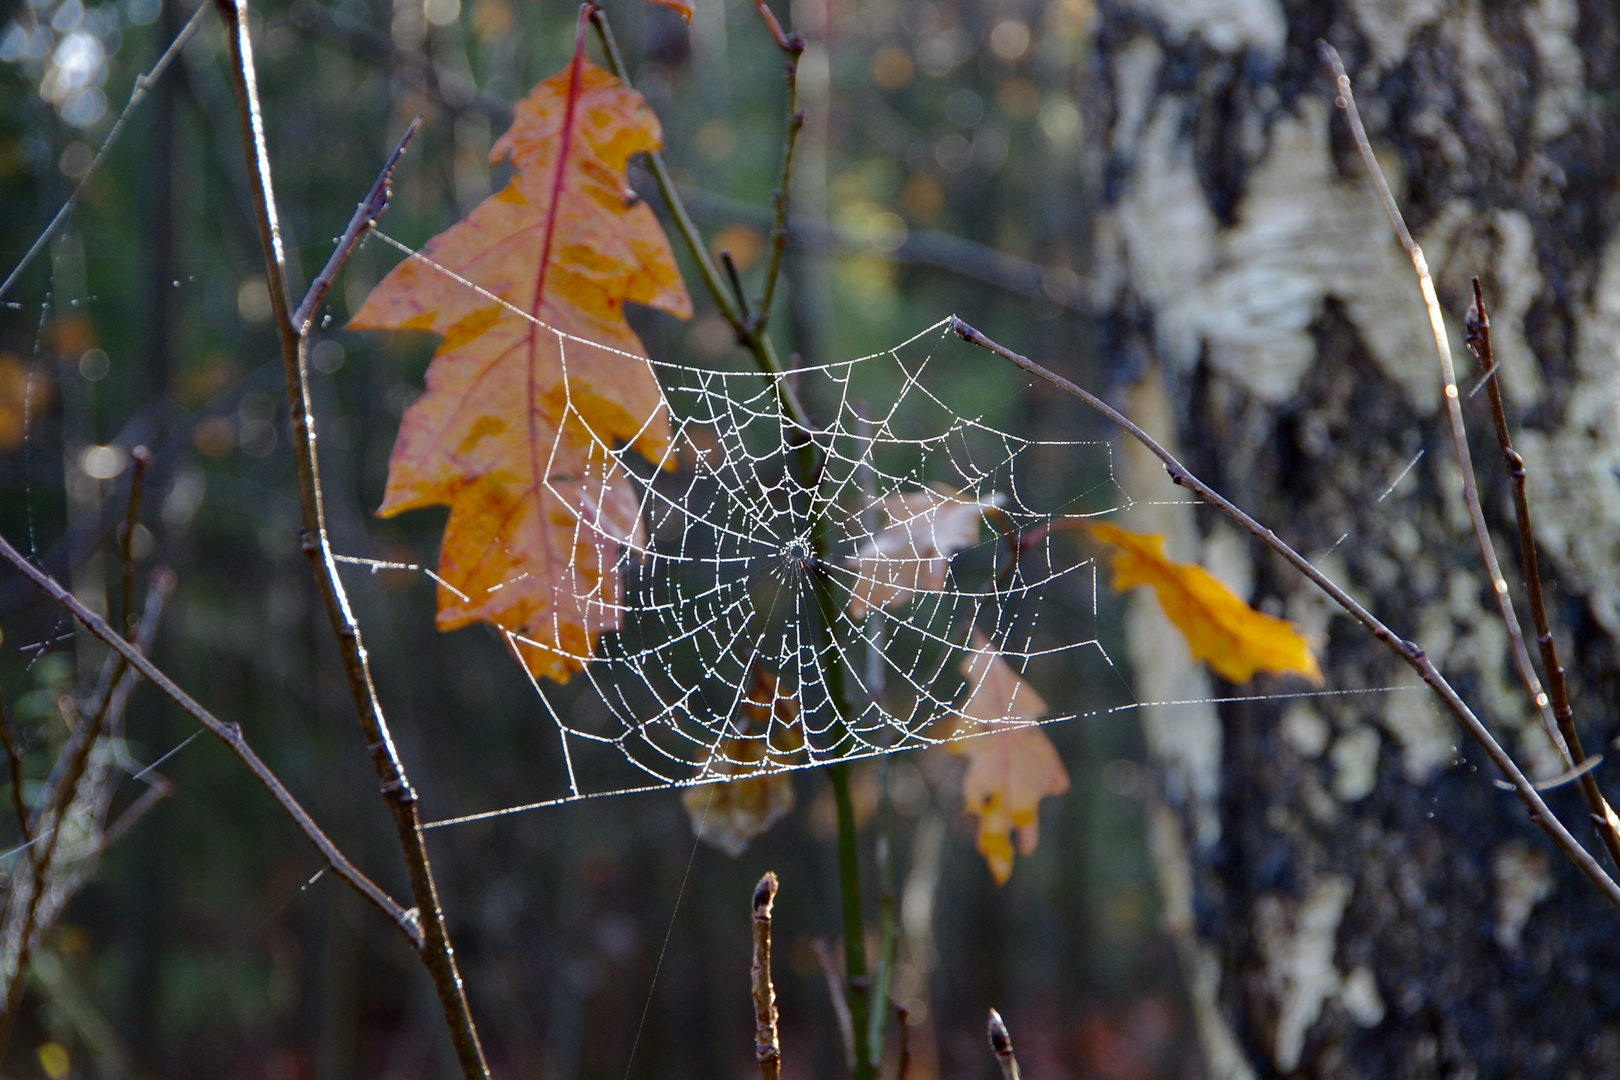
(777, 594)
(762, 623)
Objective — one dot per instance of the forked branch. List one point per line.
(1408, 651)
(1603, 816)
(1345, 99)
(228, 733)
(434, 946)
(371, 208)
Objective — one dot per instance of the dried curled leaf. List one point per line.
(1233, 638)
(514, 430)
(1008, 774)
(731, 815)
(911, 552)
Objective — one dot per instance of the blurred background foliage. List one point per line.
(944, 168)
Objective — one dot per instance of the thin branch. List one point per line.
(372, 207)
(1603, 816)
(1346, 101)
(62, 791)
(136, 96)
(227, 733)
(14, 759)
(767, 1044)
(666, 186)
(738, 292)
(759, 344)
(793, 46)
(835, 994)
(1408, 651)
(888, 919)
(902, 1019)
(857, 988)
(159, 789)
(434, 947)
(1001, 1043)
(140, 461)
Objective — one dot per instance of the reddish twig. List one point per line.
(1408, 651)
(1001, 1043)
(433, 947)
(767, 1044)
(1603, 816)
(792, 44)
(1346, 101)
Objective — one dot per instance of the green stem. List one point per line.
(888, 937)
(849, 880)
(795, 123)
(748, 332)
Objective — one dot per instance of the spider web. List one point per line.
(761, 622)
(766, 624)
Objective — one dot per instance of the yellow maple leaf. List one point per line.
(1233, 638)
(538, 375)
(1009, 773)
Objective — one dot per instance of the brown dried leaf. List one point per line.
(1009, 773)
(912, 550)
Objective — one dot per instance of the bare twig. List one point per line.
(767, 1045)
(62, 795)
(14, 759)
(157, 790)
(372, 207)
(1408, 651)
(737, 292)
(136, 96)
(1603, 816)
(835, 993)
(227, 733)
(1346, 101)
(1001, 1043)
(140, 460)
(434, 946)
(902, 1020)
(793, 46)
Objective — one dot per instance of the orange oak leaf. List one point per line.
(912, 550)
(538, 375)
(1236, 640)
(1009, 773)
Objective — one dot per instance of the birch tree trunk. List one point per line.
(1349, 893)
